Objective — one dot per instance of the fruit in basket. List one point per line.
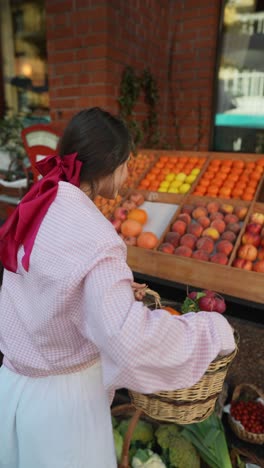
(240, 212)
(219, 258)
(211, 232)
(225, 247)
(188, 240)
(147, 240)
(260, 254)
(131, 228)
(204, 221)
(250, 414)
(185, 218)
(219, 225)
(166, 247)
(183, 251)
(216, 215)
(248, 252)
(137, 198)
(138, 215)
(173, 238)
(201, 255)
(206, 244)
(242, 263)
(213, 207)
(259, 266)
(180, 227)
(187, 208)
(253, 228)
(129, 205)
(249, 238)
(229, 236)
(226, 208)
(231, 218)
(116, 223)
(257, 218)
(195, 229)
(234, 227)
(120, 213)
(199, 212)
(207, 301)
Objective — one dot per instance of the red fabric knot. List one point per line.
(22, 226)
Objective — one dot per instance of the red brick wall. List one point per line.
(89, 44)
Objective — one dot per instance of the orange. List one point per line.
(252, 183)
(193, 160)
(225, 191)
(159, 165)
(164, 159)
(236, 171)
(227, 162)
(174, 159)
(243, 178)
(228, 184)
(259, 169)
(201, 189)
(155, 170)
(165, 170)
(233, 177)
(145, 183)
(183, 159)
(225, 169)
(260, 162)
(204, 182)
(247, 196)
(250, 165)
(255, 176)
(198, 193)
(209, 175)
(238, 164)
(215, 163)
(213, 190)
(171, 310)
(150, 176)
(236, 193)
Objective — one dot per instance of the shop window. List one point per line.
(239, 114)
(24, 59)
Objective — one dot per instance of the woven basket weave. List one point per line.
(187, 405)
(238, 428)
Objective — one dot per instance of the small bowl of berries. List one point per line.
(246, 415)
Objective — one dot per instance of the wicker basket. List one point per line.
(188, 405)
(253, 392)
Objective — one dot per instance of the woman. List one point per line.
(71, 329)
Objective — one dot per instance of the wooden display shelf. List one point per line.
(226, 279)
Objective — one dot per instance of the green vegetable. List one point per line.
(146, 458)
(208, 437)
(118, 441)
(192, 305)
(143, 431)
(177, 451)
(166, 434)
(114, 422)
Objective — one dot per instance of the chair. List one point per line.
(39, 140)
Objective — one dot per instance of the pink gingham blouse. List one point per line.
(75, 306)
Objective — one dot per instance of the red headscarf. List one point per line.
(22, 226)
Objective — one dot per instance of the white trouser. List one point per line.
(55, 422)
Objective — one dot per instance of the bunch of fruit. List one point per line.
(226, 178)
(136, 166)
(172, 174)
(129, 219)
(205, 231)
(250, 414)
(207, 301)
(107, 206)
(250, 255)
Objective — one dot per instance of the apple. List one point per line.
(249, 238)
(179, 226)
(116, 223)
(259, 266)
(166, 248)
(242, 263)
(248, 252)
(129, 205)
(254, 228)
(257, 218)
(173, 238)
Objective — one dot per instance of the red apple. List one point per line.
(248, 252)
(249, 238)
(242, 263)
(116, 223)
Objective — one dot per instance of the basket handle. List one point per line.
(125, 453)
(240, 387)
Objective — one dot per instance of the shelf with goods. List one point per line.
(225, 278)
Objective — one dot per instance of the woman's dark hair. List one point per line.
(101, 140)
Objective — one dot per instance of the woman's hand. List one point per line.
(139, 290)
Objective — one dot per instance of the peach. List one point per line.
(216, 215)
(180, 227)
(188, 209)
(226, 208)
(242, 263)
(219, 258)
(259, 266)
(206, 244)
(166, 248)
(248, 252)
(234, 227)
(261, 254)
(229, 235)
(183, 251)
(213, 207)
(137, 198)
(195, 229)
(201, 255)
(240, 212)
(198, 212)
(201, 203)
(231, 218)
(203, 221)
(185, 218)
(254, 228)
(249, 238)
(129, 205)
(211, 232)
(257, 218)
(225, 247)
(188, 240)
(219, 225)
(173, 238)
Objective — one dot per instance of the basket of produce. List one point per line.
(196, 403)
(143, 442)
(246, 416)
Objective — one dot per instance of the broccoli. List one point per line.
(118, 441)
(146, 458)
(182, 454)
(166, 434)
(143, 432)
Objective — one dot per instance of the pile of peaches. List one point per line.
(250, 255)
(206, 231)
(226, 178)
(188, 167)
(129, 220)
(136, 166)
(107, 206)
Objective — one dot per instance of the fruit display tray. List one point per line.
(226, 279)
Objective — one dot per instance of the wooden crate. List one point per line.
(222, 278)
